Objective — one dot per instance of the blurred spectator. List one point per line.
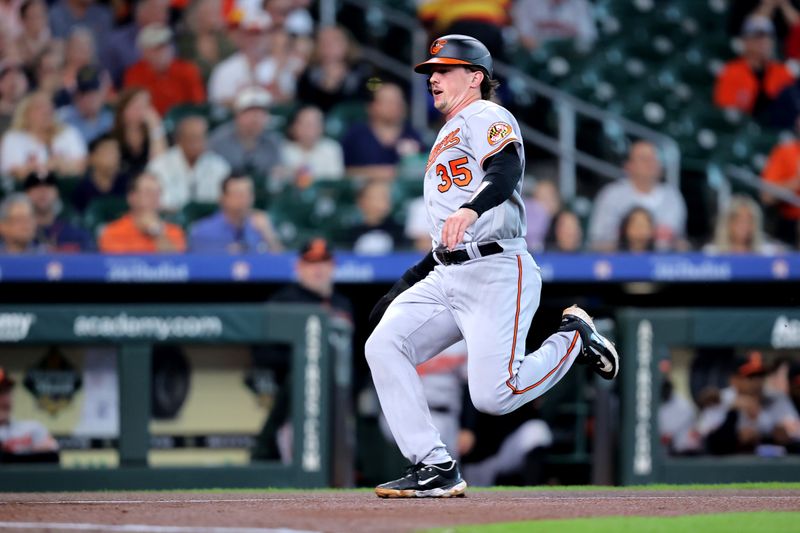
(517, 451)
(10, 21)
(542, 202)
(66, 16)
(740, 230)
(783, 170)
(246, 142)
(334, 75)
(676, 416)
(236, 227)
(539, 21)
(203, 39)
(139, 130)
(38, 140)
(79, 54)
(642, 187)
(565, 234)
(21, 438)
(53, 232)
(750, 82)
(142, 230)
(253, 64)
(121, 51)
(13, 88)
(289, 62)
(88, 113)
(377, 233)
(314, 269)
(306, 151)
(794, 384)
(294, 18)
(292, 15)
(776, 10)
(103, 177)
(17, 225)
(373, 150)
(791, 45)
(745, 415)
(482, 19)
(188, 171)
(784, 111)
(35, 36)
(416, 228)
(48, 73)
(169, 81)
(637, 231)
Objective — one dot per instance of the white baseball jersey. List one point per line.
(486, 301)
(455, 173)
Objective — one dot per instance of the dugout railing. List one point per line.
(320, 381)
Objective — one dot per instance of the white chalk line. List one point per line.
(144, 502)
(472, 497)
(142, 528)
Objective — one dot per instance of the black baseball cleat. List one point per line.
(441, 480)
(597, 352)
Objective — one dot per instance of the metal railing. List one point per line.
(568, 109)
(722, 177)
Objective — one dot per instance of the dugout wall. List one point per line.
(320, 380)
(647, 337)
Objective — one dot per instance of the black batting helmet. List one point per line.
(457, 50)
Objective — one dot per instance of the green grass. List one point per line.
(758, 522)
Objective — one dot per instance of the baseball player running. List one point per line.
(478, 283)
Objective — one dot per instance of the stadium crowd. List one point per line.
(158, 125)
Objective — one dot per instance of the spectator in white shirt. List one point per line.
(253, 64)
(307, 153)
(539, 21)
(189, 172)
(641, 187)
(37, 140)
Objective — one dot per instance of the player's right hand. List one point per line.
(456, 225)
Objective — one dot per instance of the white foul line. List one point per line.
(144, 502)
(142, 528)
(473, 498)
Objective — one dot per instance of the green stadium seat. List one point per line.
(103, 210)
(342, 116)
(281, 114)
(194, 211)
(215, 115)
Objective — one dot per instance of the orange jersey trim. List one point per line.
(499, 147)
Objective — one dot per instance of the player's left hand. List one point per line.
(455, 226)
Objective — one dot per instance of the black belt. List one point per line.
(457, 257)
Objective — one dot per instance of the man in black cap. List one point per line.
(88, 113)
(314, 270)
(53, 231)
(21, 438)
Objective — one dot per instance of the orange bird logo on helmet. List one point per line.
(437, 46)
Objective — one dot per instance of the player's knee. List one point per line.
(486, 401)
(377, 347)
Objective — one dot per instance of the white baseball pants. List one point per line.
(489, 302)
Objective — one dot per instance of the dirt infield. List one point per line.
(355, 512)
